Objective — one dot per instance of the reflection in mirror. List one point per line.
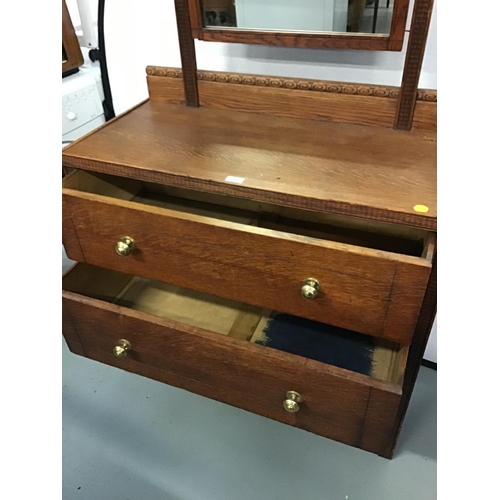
(341, 16)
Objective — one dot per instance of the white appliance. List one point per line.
(82, 97)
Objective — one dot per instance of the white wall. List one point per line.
(145, 33)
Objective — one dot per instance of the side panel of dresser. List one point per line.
(369, 291)
(338, 404)
(417, 350)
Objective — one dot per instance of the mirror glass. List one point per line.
(340, 16)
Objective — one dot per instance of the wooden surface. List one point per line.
(380, 422)
(368, 172)
(337, 107)
(259, 266)
(316, 40)
(188, 53)
(296, 84)
(70, 333)
(425, 118)
(69, 236)
(417, 349)
(419, 30)
(312, 99)
(398, 24)
(246, 375)
(70, 43)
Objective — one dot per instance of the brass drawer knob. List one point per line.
(125, 246)
(310, 288)
(120, 350)
(291, 403)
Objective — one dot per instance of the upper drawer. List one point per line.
(370, 282)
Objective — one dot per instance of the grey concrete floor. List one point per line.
(126, 437)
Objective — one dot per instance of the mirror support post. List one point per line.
(188, 53)
(419, 30)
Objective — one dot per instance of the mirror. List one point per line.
(313, 16)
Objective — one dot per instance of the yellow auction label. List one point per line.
(421, 208)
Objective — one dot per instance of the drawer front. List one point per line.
(336, 403)
(365, 290)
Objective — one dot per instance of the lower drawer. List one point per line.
(349, 384)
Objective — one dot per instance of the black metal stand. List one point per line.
(109, 111)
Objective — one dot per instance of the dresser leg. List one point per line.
(417, 349)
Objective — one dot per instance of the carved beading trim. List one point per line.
(293, 83)
(427, 95)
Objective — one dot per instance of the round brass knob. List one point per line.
(125, 246)
(291, 403)
(310, 288)
(120, 350)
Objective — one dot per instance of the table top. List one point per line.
(368, 172)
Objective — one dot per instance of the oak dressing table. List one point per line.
(266, 242)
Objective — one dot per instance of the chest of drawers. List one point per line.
(281, 264)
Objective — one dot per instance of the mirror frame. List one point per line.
(358, 41)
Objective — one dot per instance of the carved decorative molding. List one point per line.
(293, 83)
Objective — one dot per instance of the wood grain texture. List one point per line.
(195, 17)
(310, 99)
(407, 293)
(317, 425)
(398, 24)
(335, 400)
(309, 40)
(368, 172)
(276, 82)
(336, 107)
(417, 348)
(273, 410)
(168, 90)
(419, 30)
(258, 266)
(425, 117)
(380, 422)
(188, 53)
(348, 88)
(69, 235)
(70, 333)
(71, 47)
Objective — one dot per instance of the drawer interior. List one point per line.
(353, 351)
(348, 230)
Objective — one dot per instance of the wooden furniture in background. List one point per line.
(72, 57)
(355, 14)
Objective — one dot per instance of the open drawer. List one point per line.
(369, 279)
(349, 384)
